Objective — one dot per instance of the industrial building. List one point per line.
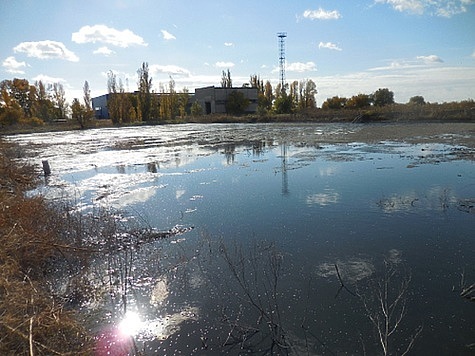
(212, 99)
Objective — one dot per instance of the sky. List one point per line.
(347, 47)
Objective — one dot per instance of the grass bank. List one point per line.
(33, 320)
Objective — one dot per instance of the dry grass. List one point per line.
(32, 320)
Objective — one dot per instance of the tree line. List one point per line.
(38, 103)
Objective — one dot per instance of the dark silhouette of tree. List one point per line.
(383, 97)
(145, 91)
(226, 81)
(359, 101)
(417, 100)
(236, 103)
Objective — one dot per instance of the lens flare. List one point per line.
(131, 324)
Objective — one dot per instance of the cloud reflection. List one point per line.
(323, 199)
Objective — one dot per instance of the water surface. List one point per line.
(281, 219)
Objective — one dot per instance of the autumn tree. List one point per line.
(226, 81)
(83, 113)
(335, 102)
(359, 101)
(183, 101)
(307, 92)
(42, 105)
(145, 91)
(10, 111)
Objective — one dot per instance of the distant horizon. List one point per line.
(411, 47)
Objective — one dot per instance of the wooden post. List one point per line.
(46, 168)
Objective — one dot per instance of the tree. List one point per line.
(113, 99)
(359, 101)
(264, 100)
(236, 103)
(83, 113)
(307, 92)
(226, 81)
(417, 100)
(283, 103)
(87, 100)
(183, 100)
(10, 110)
(383, 97)
(145, 90)
(196, 109)
(334, 103)
(59, 99)
(78, 112)
(41, 101)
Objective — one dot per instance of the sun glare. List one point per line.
(131, 324)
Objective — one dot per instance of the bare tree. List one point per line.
(385, 306)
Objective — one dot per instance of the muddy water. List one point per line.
(298, 233)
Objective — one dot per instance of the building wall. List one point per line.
(99, 105)
(213, 99)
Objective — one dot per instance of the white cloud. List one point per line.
(443, 8)
(46, 50)
(46, 79)
(228, 44)
(430, 59)
(473, 54)
(420, 61)
(169, 69)
(104, 34)
(106, 51)
(13, 66)
(167, 35)
(301, 67)
(321, 14)
(329, 45)
(412, 6)
(224, 64)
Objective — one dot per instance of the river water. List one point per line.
(283, 239)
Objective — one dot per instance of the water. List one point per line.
(281, 220)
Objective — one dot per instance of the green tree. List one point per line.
(335, 102)
(145, 91)
(226, 81)
(383, 97)
(196, 109)
(183, 100)
(283, 103)
(417, 100)
(236, 103)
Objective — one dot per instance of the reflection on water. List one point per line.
(322, 208)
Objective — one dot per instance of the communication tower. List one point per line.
(282, 36)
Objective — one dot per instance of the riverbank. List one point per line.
(450, 113)
(33, 319)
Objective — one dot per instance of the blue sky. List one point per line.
(412, 47)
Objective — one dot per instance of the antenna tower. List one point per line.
(282, 36)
